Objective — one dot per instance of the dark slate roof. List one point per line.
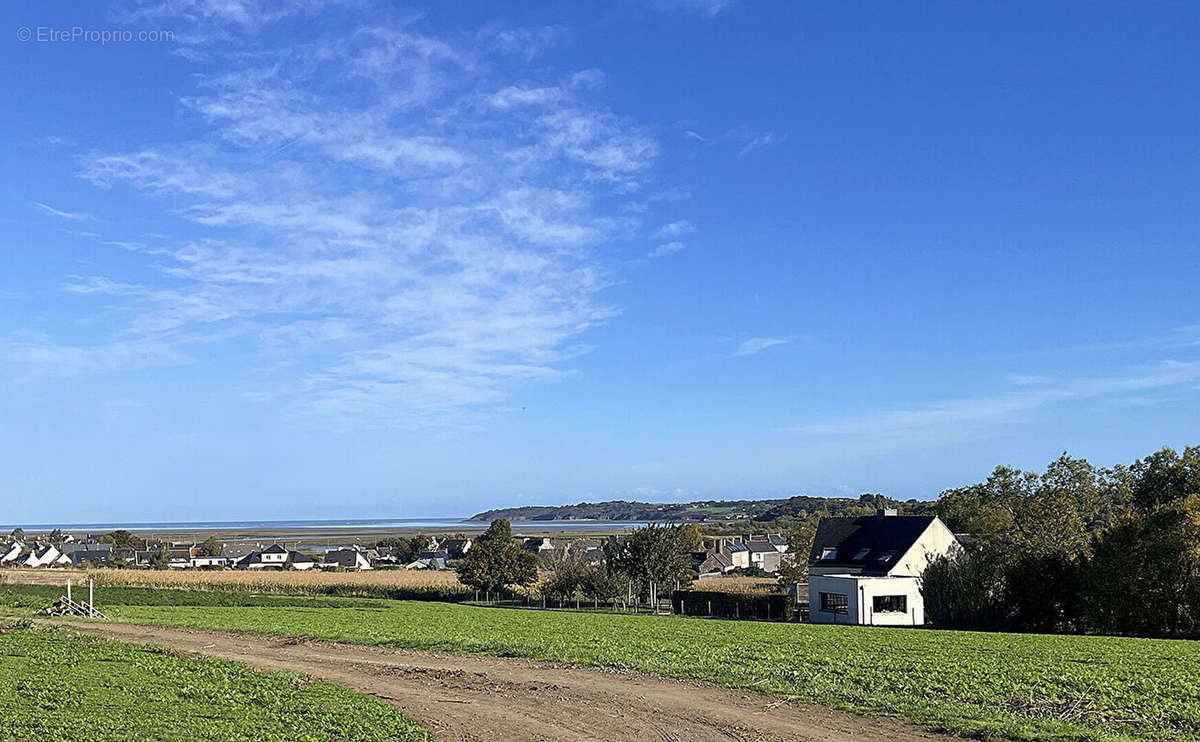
(715, 561)
(296, 557)
(342, 557)
(759, 547)
(879, 535)
(274, 549)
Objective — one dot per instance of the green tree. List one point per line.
(565, 578)
(598, 584)
(406, 548)
(965, 591)
(17, 534)
(160, 558)
(1144, 578)
(210, 547)
(497, 561)
(654, 557)
(122, 539)
(794, 566)
(1165, 476)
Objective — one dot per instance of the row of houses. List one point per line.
(179, 556)
(17, 554)
(764, 551)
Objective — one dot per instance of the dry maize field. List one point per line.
(240, 580)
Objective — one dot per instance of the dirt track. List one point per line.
(508, 700)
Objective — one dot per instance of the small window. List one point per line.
(861, 555)
(891, 604)
(828, 552)
(834, 603)
(887, 557)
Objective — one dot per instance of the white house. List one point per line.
(11, 552)
(867, 570)
(47, 556)
(221, 560)
(351, 559)
(274, 557)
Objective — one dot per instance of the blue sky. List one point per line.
(366, 259)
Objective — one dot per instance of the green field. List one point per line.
(1019, 686)
(56, 685)
(990, 685)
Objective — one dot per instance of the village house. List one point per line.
(210, 562)
(90, 556)
(867, 570)
(10, 553)
(71, 547)
(43, 556)
(765, 551)
(429, 560)
(351, 559)
(538, 545)
(455, 548)
(274, 557)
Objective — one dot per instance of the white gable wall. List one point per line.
(936, 541)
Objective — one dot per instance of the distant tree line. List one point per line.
(1075, 549)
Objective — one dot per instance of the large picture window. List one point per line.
(834, 603)
(891, 604)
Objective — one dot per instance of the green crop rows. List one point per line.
(55, 685)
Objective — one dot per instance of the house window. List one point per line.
(891, 604)
(861, 555)
(828, 552)
(834, 603)
(887, 557)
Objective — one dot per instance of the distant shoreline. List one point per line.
(316, 530)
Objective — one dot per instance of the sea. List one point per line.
(441, 525)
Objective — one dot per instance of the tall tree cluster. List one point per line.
(497, 562)
(654, 558)
(1075, 549)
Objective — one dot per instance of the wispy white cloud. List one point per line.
(665, 249)
(245, 15)
(707, 8)
(398, 255)
(57, 360)
(954, 418)
(73, 216)
(751, 346)
(748, 139)
(744, 138)
(675, 229)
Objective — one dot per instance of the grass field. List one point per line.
(1017, 686)
(989, 685)
(55, 685)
